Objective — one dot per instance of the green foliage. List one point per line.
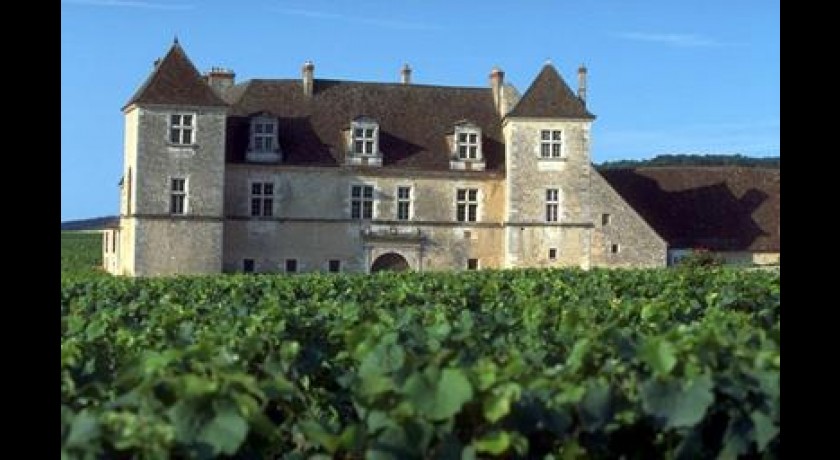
(511, 364)
(701, 258)
(696, 160)
(81, 254)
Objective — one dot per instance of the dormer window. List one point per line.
(466, 147)
(365, 137)
(364, 143)
(263, 146)
(468, 142)
(264, 135)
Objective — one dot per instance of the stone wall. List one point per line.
(529, 238)
(311, 219)
(638, 245)
(153, 241)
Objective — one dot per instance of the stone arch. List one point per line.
(390, 261)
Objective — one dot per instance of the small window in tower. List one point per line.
(291, 265)
(605, 219)
(248, 265)
(178, 196)
(334, 266)
(181, 128)
(614, 248)
(472, 264)
(551, 143)
(552, 254)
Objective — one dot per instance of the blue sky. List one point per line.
(694, 76)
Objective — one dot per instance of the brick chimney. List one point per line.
(581, 93)
(308, 78)
(497, 82)
(405, 74)
(220, 79)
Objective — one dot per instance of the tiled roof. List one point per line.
(550, 97)
(717, 208)
(413, 120)
(175, 81)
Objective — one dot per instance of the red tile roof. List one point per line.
(413, 120)
(717, 208)
(550, 97)
(176, 81)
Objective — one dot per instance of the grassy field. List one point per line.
(81, 254)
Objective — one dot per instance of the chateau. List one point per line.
(311, 174)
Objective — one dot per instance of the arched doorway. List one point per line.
(390, 262)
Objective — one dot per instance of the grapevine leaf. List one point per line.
(660, 355)
(494, 443)
(764, 429)
(84, 429)
(675, 404)
(225, 432)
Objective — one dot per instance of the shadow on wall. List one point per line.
(708, 216)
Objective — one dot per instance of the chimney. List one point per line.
(582, 84)
(220, 79)
(405, 75)
(497, 82)
(308, 77)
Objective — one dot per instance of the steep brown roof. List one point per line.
(176, 81)
(413, 120)
(550, 97)
(718, 208)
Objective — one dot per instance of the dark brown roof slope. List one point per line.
(176, 81)
(413, 120)
(717, 208)
(550, 97)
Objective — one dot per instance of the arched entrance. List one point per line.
(390, 262)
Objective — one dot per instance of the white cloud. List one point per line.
(675, 40)
(130, 4)
(378, 22)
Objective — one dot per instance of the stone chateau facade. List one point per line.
(309, 174)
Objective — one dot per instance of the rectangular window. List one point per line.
(472, 264)
(248, 265)
(605, 219)
(363, 140)
(552, 254)
(291, 266)
(262, 199)
(263, 136)
(181, 127)
(552, 204)
(361, 202)
(551, 143)
(468, 145)
(466, 204)
(178, 196)
(334, 266)
(614, 248)
(403, 203)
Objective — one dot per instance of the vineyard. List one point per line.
(488, 364)
(81, 254)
